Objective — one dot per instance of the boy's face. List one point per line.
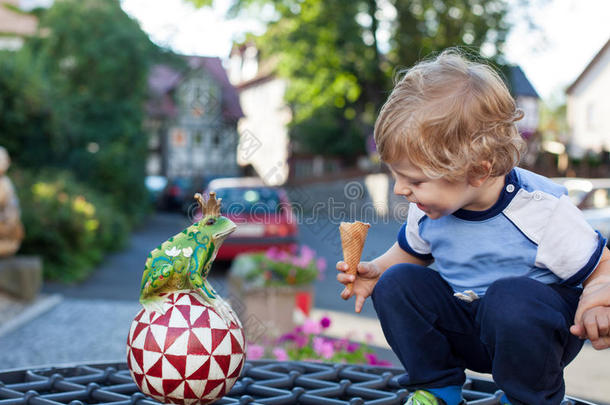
(436, 197)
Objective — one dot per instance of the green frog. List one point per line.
(183, 262)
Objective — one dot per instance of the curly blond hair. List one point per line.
(447, 115)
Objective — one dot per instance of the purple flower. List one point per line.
(280, 354)
(286, 337)
(352, 347)
(325, 322)
(311, 327)
(273, 253)
(254, 352)
(372, 360)
(321, 265)
(301, 341)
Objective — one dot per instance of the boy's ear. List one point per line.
(479, 173)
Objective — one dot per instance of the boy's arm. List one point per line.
(395, 255)
(591, 319)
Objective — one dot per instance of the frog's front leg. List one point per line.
(203, 287)
(205, 290)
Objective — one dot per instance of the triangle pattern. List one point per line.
(196, 312)
(224, 345)
(235, 345)
(234, 363)
(204, 320)
(169, 371)
(150, 359)
(202, 373)
(213, 388)
(164, 319)
(155, 386)
(139, 315)
(183, 299)
(185, 311)
(224, 363)
(216, 322)
(179, 363)
(180, 346)
(229, 382)
(174, 334)
(140, 340)
(174, 388)
(138, 357)
(133, 364)
(195, 347)
(177, 319)
(156, 370)
(160, 334)
(204, 335)
(150, 344)
(139, 327)
(194, 388)
(238, 334)
(194, 363)
(237, 372)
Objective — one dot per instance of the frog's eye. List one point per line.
(210, 221)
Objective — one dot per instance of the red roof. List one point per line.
(163, 79)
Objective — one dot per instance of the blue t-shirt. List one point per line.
(533, 230)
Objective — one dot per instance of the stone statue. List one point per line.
(11, 229)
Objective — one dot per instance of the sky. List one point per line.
(570, 33)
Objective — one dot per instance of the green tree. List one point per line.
(97, 59)
(338, 70)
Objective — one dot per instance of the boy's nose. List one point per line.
(401, 189)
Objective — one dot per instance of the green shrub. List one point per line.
(67, 223)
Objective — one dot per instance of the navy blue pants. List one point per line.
(518, 331)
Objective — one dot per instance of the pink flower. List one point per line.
(323, 348)
(311, 327)
(307, 254)
(254, 352)
(369, 338)
(321, 265)
(273, 253)
(301, 341)
(352, 347)
(280, 354)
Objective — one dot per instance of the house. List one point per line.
(15, 25)
(264, 142)
(588, 107)
(192, 121)
(527, 100)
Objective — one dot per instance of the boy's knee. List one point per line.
(513, 304)
(398, 278)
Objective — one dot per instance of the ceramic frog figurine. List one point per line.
(183, 262)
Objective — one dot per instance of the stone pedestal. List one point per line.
(21, 276)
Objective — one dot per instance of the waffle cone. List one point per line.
(353, 236)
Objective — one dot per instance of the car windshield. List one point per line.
(253, 200)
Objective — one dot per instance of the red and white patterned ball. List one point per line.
(187, 355)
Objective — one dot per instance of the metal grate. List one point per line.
(261, 382)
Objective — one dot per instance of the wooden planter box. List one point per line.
(269, 312)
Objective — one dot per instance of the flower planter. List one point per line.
(269, 312)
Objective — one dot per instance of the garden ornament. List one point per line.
(186, 345)
(11, 229)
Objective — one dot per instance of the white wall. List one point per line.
(589, 109)
(263, 131)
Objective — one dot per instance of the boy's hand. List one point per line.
(368, 274)
(595, 326)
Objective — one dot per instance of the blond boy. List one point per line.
(512, 253)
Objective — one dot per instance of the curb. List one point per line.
(37, 308)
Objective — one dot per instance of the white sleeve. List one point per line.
(409, 238)
(568, 246)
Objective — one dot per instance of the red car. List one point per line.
(263, 215)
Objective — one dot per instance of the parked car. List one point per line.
(592, 196)
(263, 215)
(177, 194)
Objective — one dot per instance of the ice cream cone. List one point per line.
(353, 236)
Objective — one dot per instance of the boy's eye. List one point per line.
(210, 221)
